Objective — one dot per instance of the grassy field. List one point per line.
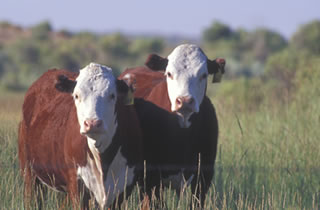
(268, 157)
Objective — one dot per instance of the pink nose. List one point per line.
(184, 102)
(92, 125)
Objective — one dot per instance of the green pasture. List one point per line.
(268, 154)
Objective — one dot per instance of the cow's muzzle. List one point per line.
(92, 126)
(185, 105)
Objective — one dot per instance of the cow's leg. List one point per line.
(85, 200)
(77, 192)
(26, 168)
(153, 187)
(28, 183)
(33, 189)
(40, 192)
(84, 194)
(73, 189)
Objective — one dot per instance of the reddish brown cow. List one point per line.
(62, 144)
(178, 121)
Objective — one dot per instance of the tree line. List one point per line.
(25, 53)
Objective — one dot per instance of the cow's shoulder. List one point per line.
(46, 111)
(42, 93)
(51, 135)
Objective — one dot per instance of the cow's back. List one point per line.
(149, 85)
(49, 131)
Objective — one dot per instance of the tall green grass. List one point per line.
(268, 157)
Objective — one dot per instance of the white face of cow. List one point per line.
(95, 97)
(186, 74)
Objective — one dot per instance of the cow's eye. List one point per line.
(76, 96)
(169, 75)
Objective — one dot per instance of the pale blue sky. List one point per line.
(165, 17)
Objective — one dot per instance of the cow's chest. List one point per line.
(118, 176)
(106, 187)
(92, 176)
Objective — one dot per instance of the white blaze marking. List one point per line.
(187, 65)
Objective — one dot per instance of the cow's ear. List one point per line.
(216, 67)
(156, 62)
(64, 84)
(125, 92)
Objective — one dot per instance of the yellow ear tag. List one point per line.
(129, 99)
(217, 77)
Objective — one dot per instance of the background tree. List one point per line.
(217, 31)
(307, 38)
(263, 42)
(41, 31)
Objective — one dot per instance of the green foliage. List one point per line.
(248, 94)
(26, 53)
(263, 42)
(41, 31)
(245, 52)
(307, 83)
(288, 71)
(3, 59)
(147, 46)
(281, 68)
(217, 31)
(31, 52)
(308, 38)
(115, 46)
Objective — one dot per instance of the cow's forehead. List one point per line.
(95, 76)
(187, 57)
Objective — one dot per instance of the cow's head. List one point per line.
(186, 70)
(95, 93)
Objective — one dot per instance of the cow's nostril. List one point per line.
(184, 100)
(190, 100)
(92, 125)
(178, 101)
(185, 104)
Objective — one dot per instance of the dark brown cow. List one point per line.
(92, 137)
(178, 121)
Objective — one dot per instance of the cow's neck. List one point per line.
(184, 121)
(92, 173)
(110, 170)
